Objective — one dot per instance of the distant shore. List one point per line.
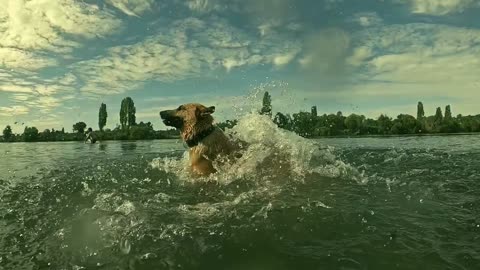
(317, 137)
(399, 135)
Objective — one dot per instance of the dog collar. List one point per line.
(202, 135)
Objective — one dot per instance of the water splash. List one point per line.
(273, 154)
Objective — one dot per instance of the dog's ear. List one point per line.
(208, 111)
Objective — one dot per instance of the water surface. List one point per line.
(365, 203)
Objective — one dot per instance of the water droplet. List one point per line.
(125, 247)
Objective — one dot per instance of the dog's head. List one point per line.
(192, 116)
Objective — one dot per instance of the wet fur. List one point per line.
(192, 119)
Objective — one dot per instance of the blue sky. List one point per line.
(61, 58)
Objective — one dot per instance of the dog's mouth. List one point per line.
(175, 122)
(171, 120)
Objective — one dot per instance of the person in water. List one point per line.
(90, 136)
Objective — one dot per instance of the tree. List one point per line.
(102, 116)
(7, 134)
(438, 115)
(406, 124)
(266, 105)
(127, 113)
(30, 134)
(448, 113)
(142, 131)
(420, 111)
(437, 120)
(79, 127)
(46, 135)
(384, 124)
(303, 124)
(282, 121)
(229, 124)
(314, 111)
(354, 122)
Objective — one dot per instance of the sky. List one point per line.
(60, 59)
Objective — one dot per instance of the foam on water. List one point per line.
(273, 154)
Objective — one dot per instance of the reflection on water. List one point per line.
(27, 159)
(103, 146)
(128, 146)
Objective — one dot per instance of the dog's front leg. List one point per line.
(200, 165)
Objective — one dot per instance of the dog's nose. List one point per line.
(163, 114)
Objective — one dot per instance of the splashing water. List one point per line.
(273, 154)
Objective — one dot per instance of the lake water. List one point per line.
(358, 203)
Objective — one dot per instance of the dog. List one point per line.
(206, 142)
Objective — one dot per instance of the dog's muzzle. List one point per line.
(170, 119)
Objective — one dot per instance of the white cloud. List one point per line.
(174, 55)
(424, 53)
(36, 94)
(40, 24)
(283, 59)
(440, 7)
(13, 111)
(326, 51)
(418, 61)
(132, 7)
(359, 55)
(21, 97)
(38, 87)
(204, 6)
(15, 88)
(12, 58)
(367, 19)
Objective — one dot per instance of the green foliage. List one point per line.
(79, 127)
(307, 124)
(406, 124)
(283, 121)
(448, 113)
(384, 124)
(420, 111)
(438, 115)
(142, 131)
(30, 134)
(102, 116)
(266, 105)
(227, 124)
(7, 134)
(127, 113)
(304, 124)
(469, 123)
(354, 123)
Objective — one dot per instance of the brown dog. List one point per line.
(206, 142)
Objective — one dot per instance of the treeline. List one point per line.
(128, 129)
(310, 124)
(306, 124)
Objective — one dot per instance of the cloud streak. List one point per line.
(441, 7)
(41, 25)
(188, 48)
(132, 7)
